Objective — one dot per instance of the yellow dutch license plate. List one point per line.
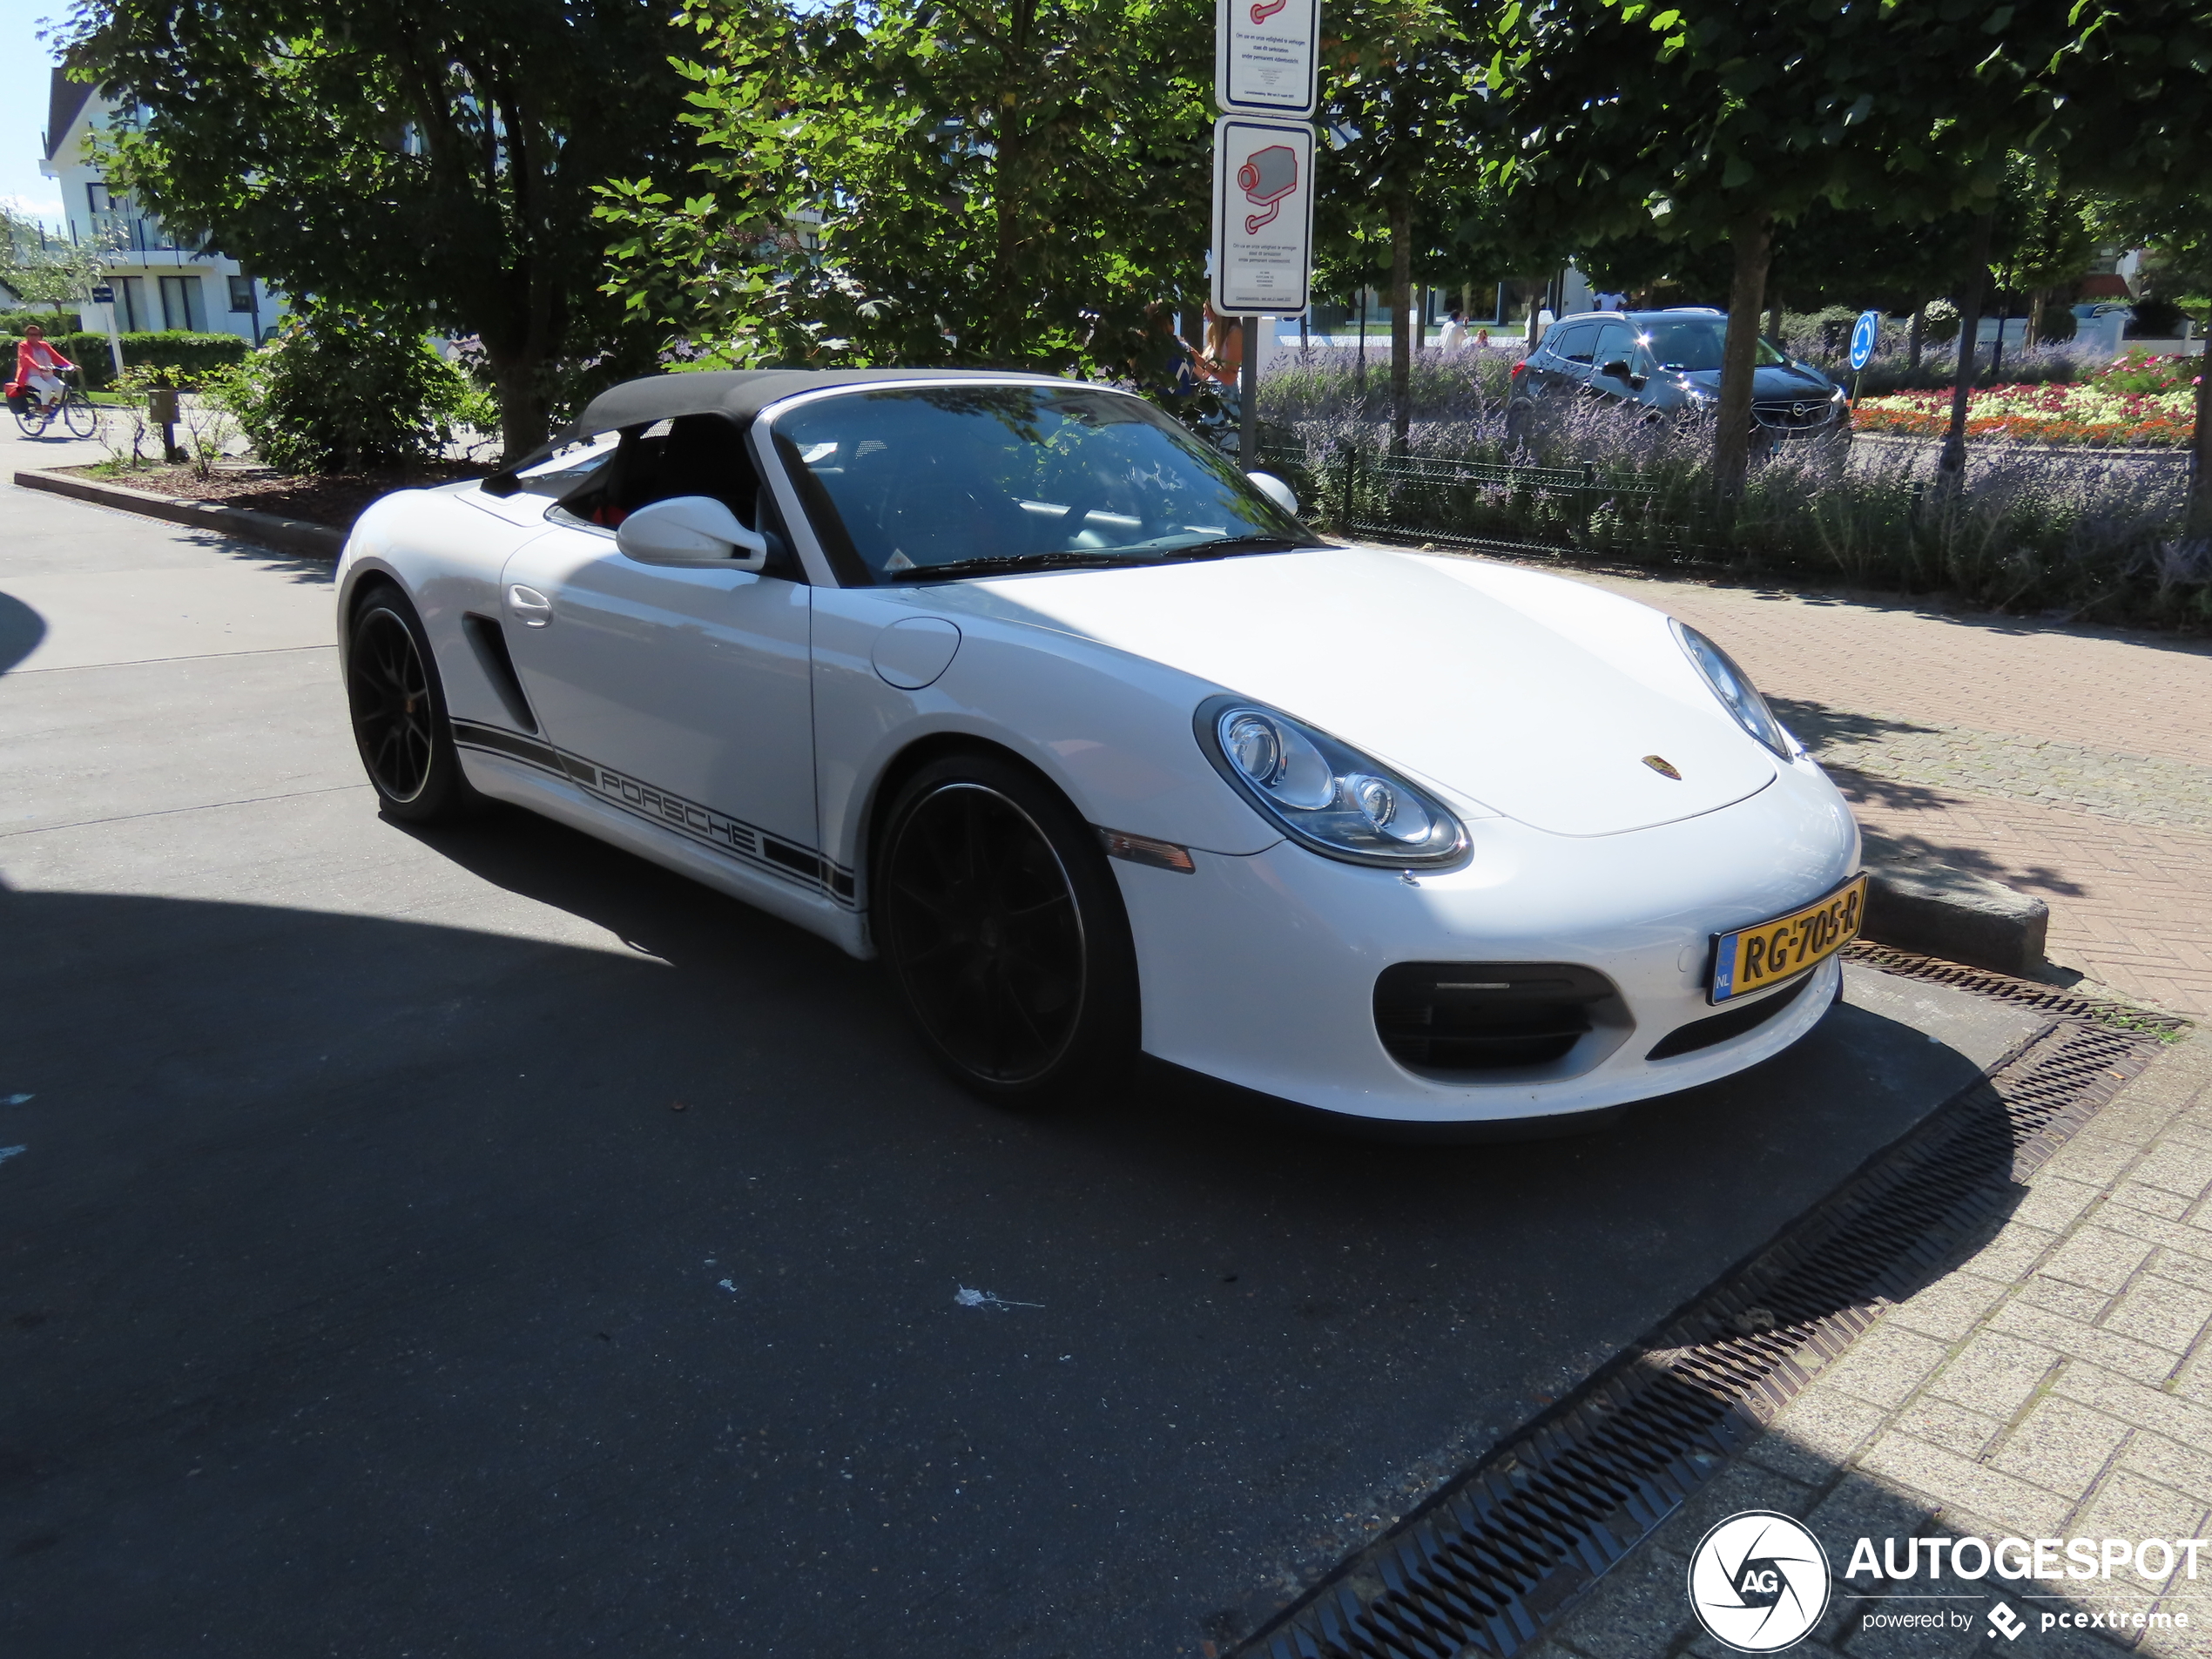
(1753, 958)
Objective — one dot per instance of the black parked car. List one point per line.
(1668, 363)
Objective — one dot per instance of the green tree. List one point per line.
(437, 155)
(1010, 182)
(44, 271)
(1399, 81)
(2131, 121)
(1708, 122)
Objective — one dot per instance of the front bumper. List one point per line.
(1261, 970)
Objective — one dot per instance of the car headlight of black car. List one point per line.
(1323, 793)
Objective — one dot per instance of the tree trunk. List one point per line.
(1775, 318)
(2038, 302)
(525, 413)
(1952, 465)
(1359, 374)
(2198, 525)
(1752, 244)
(1401, 295)
(1915, 336)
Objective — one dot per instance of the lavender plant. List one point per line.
(2094, 536)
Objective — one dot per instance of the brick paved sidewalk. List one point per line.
(2054, 1383)
(2072, 764)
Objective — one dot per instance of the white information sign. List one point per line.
(1263, 216)
(1266, 56)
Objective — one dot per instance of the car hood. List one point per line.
(1797, 382)
(1519, 694)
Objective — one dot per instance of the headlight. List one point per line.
(1734, 688)
(1325, 795)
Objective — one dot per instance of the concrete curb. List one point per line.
(288, 535)
(1931, 909)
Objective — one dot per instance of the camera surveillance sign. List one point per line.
(1266, 57)
(1263, 216)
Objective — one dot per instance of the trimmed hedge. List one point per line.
(12, 322)
(175, 349)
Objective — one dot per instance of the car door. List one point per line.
(1616, 343)
(1565, 362)
(677, 694)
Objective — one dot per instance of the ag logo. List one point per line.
(1758, 1582)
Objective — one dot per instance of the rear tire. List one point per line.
(995, 909)
(399, 713)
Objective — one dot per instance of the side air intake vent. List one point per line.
(490, 646)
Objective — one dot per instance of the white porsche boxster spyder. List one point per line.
(1008, 680)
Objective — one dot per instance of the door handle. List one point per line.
(531, 607)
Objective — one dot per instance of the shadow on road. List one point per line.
(21, 628)
(397, 1286)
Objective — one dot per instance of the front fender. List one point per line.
(1111, 731)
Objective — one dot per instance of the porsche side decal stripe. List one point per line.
(513, 745)
(703, 824)
(669, 811)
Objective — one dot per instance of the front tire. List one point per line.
(78, 414)
(399, 714)
(1001, 921)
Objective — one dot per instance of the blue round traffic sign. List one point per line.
(1863, 336)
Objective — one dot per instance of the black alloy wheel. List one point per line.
(398, 709)
(997, 910)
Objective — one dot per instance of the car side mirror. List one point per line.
(1276, 490)
(692, 529)
(1617, 369)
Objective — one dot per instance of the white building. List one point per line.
(159, 282)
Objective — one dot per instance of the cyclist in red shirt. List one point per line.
(36, 362)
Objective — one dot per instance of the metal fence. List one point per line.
(1430, 496)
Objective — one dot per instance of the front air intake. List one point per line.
(1448, 1019)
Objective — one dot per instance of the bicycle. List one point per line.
(33, 417)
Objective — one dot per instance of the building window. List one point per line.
(181, 304)
(130, 304)
(96, 198)
(242, 294)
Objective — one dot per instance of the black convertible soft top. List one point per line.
(738, 394)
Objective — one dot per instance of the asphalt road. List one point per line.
(364, 1291)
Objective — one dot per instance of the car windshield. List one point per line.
(1690, 344)
(930, 482)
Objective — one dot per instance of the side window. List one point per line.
(1576, 342)
(1616, 343)
(567, 473)
(691, 455)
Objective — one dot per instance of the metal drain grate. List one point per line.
(1483, 1567)
(2031, 993)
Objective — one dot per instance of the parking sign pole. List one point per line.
(104, 293)
(1267, 79)
(1248, 401)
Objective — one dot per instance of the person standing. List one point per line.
(36, 363)
(1453, 339)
